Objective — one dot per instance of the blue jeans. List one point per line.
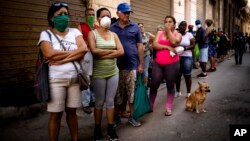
(186, 65)
(147, 60)
(87, 97)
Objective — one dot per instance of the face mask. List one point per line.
(105, 22)
(198, 26)
(90, 21)
(61, 22)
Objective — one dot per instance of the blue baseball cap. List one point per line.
(197, 22)
(124, 7)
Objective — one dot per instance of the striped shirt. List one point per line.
(103, 68)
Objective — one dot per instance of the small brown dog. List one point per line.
(197, 98)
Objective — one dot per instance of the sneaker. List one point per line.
(202, 75)
(97, 133)
(87, 110)
(112, 133)
(132, 121)
(177, 94)
(188, 95)
(211, 70)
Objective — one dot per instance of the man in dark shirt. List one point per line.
(202, 40)
(132, 60)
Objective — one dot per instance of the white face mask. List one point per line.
(105, 22)
(198, 26)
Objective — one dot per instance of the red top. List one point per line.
(85, 30)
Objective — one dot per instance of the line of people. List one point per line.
(117, 52)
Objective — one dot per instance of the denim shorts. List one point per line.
(64, 92)
(186, 65)
(203, 55)
(212, 50)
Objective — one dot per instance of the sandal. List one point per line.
(168, 113)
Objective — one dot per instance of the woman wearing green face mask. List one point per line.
(64, 87)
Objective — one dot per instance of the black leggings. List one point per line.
(167, 72)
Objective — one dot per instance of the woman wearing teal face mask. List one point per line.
(59, 54)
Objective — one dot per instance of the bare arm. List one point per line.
(74, 55)
(79, 28)
(141, 57)
(50, 53)
(175, 40)
(92, 46)
(191, 46)
(119, 49)
(158, 46)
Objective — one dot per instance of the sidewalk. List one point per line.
(35, 129)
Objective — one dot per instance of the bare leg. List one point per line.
(54, 125)
(131, 108)
(72, 122)
(110, 115)
(98, 116)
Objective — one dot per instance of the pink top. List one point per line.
(163, 56)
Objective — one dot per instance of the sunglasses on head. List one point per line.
(60, 4)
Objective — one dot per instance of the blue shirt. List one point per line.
(129, 36)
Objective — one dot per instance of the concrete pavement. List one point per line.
(228, 103)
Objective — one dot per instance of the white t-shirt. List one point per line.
(185, 41)
(66, 70)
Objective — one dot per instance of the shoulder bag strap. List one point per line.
(40, 54)
(65, 50)
(59, 41)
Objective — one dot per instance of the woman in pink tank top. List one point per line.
(166, 63)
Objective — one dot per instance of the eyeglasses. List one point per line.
(60, 4)
(126, 13)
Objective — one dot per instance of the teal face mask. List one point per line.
(61, 22)
(90, 21)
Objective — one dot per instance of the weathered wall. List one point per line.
(20, 26)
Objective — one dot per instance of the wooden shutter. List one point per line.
(150, 12)
(21, 22)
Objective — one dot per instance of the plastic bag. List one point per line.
(196, 51)
(141, 101)
(88, 63)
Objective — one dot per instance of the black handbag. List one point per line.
(41, 86)
(82, 77)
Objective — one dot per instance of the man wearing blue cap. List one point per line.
(132, 61)
(201, 39)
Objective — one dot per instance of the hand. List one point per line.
(140, 68)
(167, 29)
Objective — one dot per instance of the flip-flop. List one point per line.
(168, 113)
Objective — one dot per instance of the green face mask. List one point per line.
(90, 21)
(61, 22)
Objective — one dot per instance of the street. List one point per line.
(227, 103)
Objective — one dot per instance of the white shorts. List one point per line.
(64, 92)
